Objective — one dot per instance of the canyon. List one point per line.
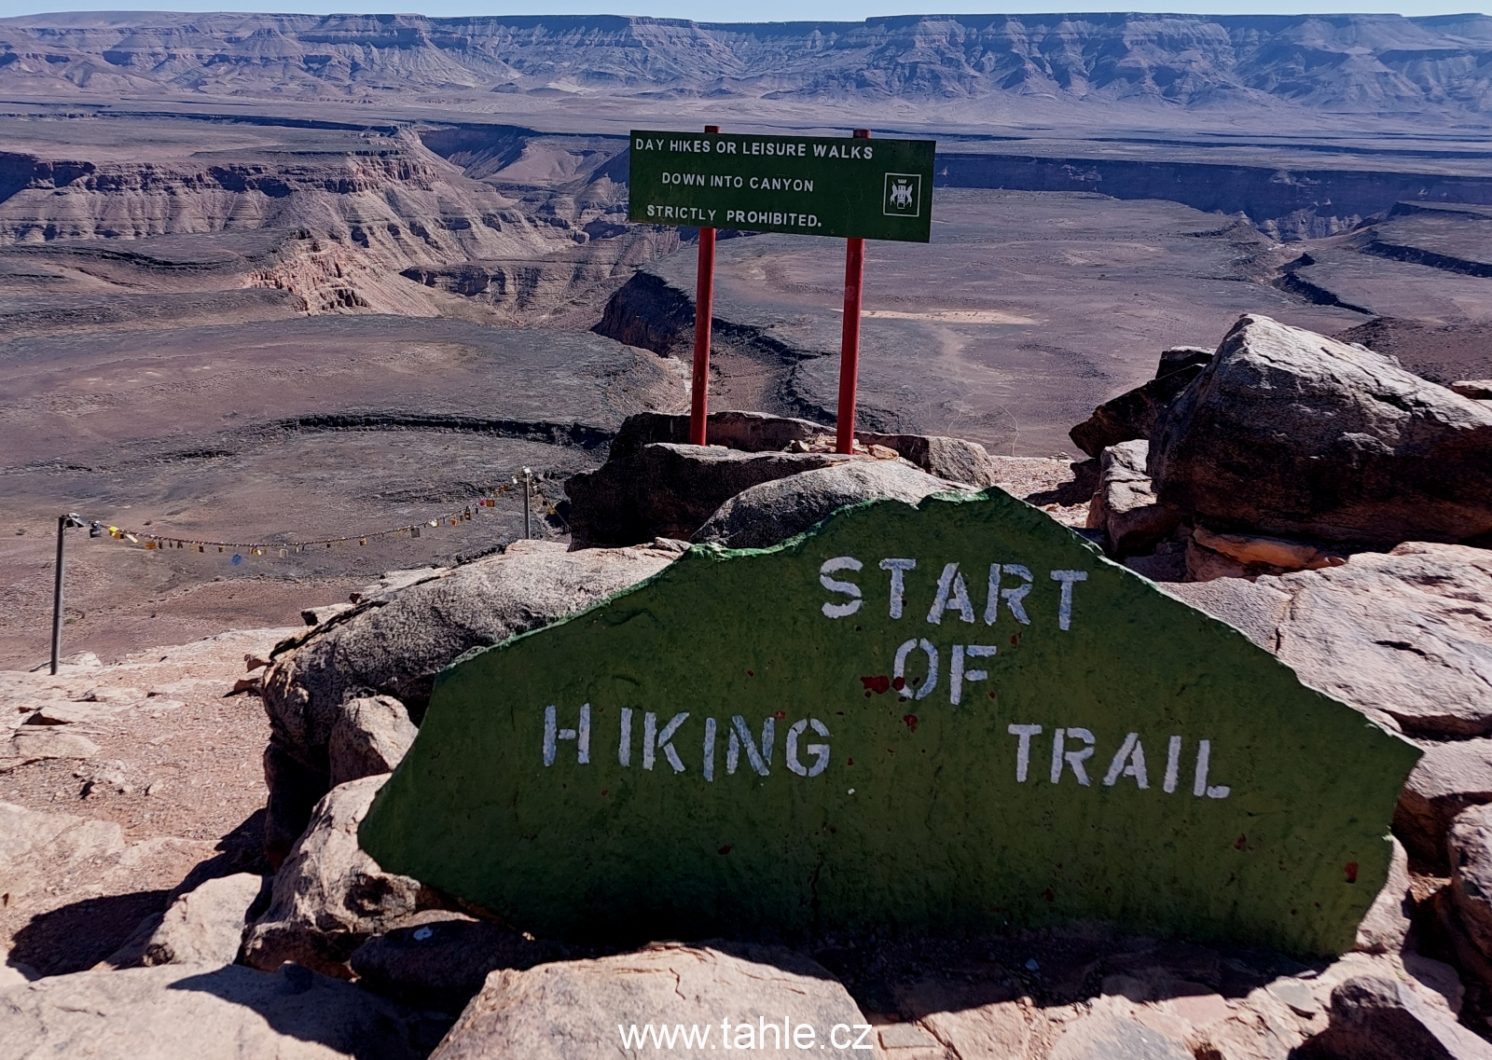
(329, 360)
(249, 252)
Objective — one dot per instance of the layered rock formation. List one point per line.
(1366, 64)
(351, 214)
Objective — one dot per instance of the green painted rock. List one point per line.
(951, 717)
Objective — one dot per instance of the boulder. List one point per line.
(1404, 636)
(1288, 433)
(758, 432)
(1085, 474)
(1386, 926)
(1274, 555)
(1377, 1018)
(774, 511)
(1124, 505)
(441, 959)
(576, 1010)
(1476, 389)
(668, 490)
(1096, 995)
(750, 432)
(1449, 779)
(329, 896)
(653, 484)
(206, 1012)
(1205, 565)
(1263, 1028)
(954, 459)
(1469, 851)
(1447, 929)
(202, 926)
(368, 737)
(394, 646)
(1136, 413)
(1178, 357)
(1437, 982)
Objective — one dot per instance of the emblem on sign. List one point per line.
(903, 195)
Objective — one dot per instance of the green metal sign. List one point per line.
(951, 717)
(803, 185)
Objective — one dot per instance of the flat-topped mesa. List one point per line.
(1418, 68)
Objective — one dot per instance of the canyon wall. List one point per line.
(1362, 64)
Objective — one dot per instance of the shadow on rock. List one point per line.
(77, 936)
(240, 850)
(297, 1003)
(207, 1012)
(82, 934)
(916, 978)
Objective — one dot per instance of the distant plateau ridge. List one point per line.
(1383, 65)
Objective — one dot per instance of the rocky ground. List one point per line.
(158, 880)
(129, 781)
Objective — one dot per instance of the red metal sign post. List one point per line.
(704, 309)
(849, 344)
(837, 186)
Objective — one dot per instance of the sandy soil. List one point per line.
(284, 432)
(951, 316)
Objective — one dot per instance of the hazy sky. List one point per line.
(754, 10)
